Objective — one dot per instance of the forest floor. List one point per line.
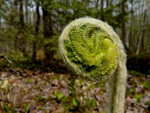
(36, 91)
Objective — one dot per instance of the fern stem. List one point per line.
(116, 90)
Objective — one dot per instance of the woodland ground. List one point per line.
(55, 90)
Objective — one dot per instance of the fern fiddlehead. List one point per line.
(92, 49)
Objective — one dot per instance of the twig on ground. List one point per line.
(3, 56)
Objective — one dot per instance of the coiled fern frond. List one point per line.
(92, 49)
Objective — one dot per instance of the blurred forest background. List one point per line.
(29, 29)
(39, 81)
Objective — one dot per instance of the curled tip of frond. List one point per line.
(89, 51)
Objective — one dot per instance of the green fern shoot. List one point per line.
(91, 49)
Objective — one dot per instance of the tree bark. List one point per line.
(48, 32)
(111, 11)
(96, 6)
(107, 3)
(22, 41)
(16, 40)
(131, 27)
(143, 30)
(36, 33)
(21, 14)
(142, 34)
(102, 10)
(26, 11)
(125, 25)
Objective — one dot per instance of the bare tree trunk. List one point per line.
(36, 31)
(102, 10)
(142, 34)
(48, 32)
(96, 6)
(125, 25)
(131, 28)
(11, 16)
(143, 30)
(21, 14)
(26, 11)
(16, 8)
(107, 3)
(22, 41)
(111, 11)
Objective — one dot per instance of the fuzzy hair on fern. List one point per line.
(91, 49)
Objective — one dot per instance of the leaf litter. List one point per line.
(50, 92)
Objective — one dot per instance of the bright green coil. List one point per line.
(92, 51)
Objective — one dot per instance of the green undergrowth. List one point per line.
(139, 84)
(38, 65)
